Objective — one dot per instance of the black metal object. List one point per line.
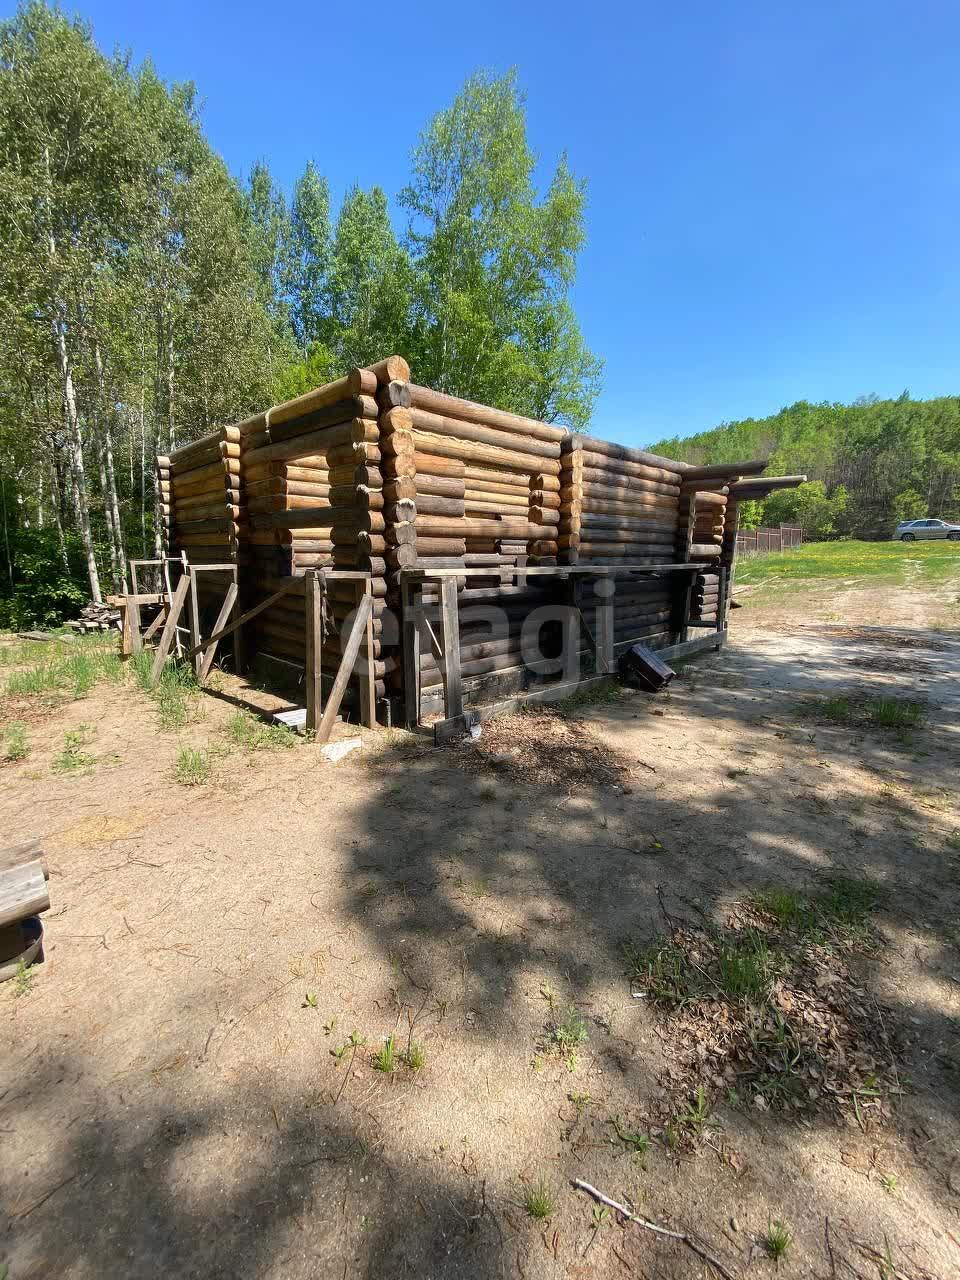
(642, 669)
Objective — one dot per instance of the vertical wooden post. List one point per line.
(193, 610)
(410, 638)
(239, 653)
(132, 620)
(313, 682)
(450, 639)
(368, 683)
(603, 590)
(570, 652)
(722, 576)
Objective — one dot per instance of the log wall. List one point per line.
(377, 473)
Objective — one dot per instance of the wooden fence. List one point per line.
(780, 539)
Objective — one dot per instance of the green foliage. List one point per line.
(15, 745)
(73, 671)
(193, 767)
(777, 1240)
(494, 263)
(386, 1059)
(819, 515)
(22, 986)
(875, 462)
(416, 1056)
(48, 580)
(896, 562)
(250, 733)
(539, 1201)
(175, 692)
(73, 758)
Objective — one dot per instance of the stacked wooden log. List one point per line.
(207, 516)
(618, 504)
(312, 468)
(164, 509)
(485, 478)
(705, 597)
(483, 488)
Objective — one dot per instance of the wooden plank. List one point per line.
(194, 623)
(368, 681)
(606, 661)
(229, 600)
(132, 619)
(556, 571)
(23, 893)
(572, 621)
(350, 651)
(313, 689)
(410, 594)
(450, 644)
(295, 584)
(16, 855)
(170, 627)
(157, 623)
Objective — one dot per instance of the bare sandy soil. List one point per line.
(173, 1104)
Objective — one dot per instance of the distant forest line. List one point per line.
(870, 464)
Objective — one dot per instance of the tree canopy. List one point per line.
(148, 295)
(871, 463)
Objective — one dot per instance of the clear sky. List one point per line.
(773, 187)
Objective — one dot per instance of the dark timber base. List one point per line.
(443, 730)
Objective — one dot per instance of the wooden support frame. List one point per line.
(170, 627)
(414, 623)
(450, 727)
(313, 682)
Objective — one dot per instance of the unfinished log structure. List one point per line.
(454, 506)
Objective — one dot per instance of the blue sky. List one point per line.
(773, 188)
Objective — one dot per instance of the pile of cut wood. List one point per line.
(97, 617)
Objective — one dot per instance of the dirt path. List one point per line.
(173, 1103)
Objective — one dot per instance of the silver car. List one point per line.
(911, 530)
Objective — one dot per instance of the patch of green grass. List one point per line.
(487, 791)
(787, 909)
(386, 1059)
(175, 692)
(902, 714)
(777, 1240)
(73, 671)
(15, 745)
(897, 562)
(416, 1056)
(600, 695)
(744, 966)
(740, 965)
(695, 1118)
(250, 733)
(23, 979)
(953, 841)
(841, 909)
(539, 1201)
(73, 758)
(889, 1182)
(839, 709)
(192, 768)
(896, 713)
(570, 1030)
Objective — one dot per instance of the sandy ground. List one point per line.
(171, 1103)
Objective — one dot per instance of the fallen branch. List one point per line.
(682, 1236)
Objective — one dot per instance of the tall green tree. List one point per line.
(494, 262)
(310, 251)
